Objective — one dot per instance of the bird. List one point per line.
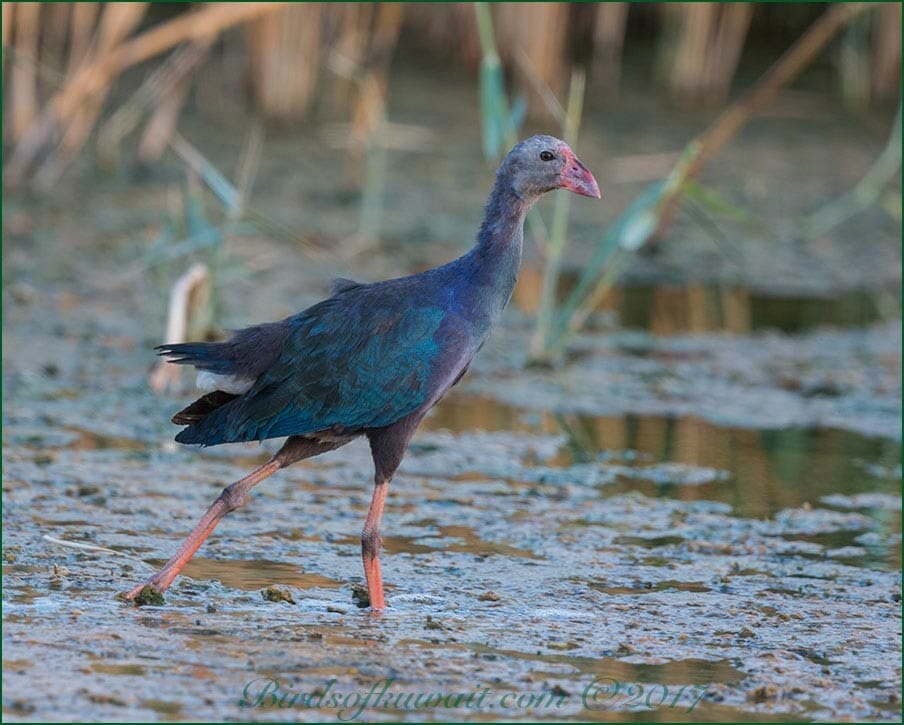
(371, 360)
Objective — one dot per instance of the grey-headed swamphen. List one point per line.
(371, 360)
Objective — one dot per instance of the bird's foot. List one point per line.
(365, 599)
(149, 592)
(377, 603)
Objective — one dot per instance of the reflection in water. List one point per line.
(249, 574)
(769, 470)
(114, 668)
(695, 307)
(674, 672)
(615, 689)
(165, 709)
(87, 440)
(450, 538)
(645, 587)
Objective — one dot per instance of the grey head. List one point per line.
(542, 163)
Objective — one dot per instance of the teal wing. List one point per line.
(359, 360)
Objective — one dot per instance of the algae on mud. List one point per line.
(275, 594)
(148, 596)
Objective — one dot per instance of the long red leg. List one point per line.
(230, 499)
(370, 546)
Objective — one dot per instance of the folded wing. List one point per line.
(349, 363)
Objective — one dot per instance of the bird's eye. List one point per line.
(547, 156)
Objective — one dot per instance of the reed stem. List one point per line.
(559, 228)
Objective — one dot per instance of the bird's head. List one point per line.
(543, 163)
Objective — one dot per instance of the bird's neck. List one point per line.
(496, 256)
(492, 265)
(503, 223)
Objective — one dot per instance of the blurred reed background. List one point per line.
(61, 60)
(118, 76)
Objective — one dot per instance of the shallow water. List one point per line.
(670, 308)
(758, 473)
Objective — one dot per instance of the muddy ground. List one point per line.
(703, 525)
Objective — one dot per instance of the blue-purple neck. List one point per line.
(503, 219)
(489, 271)
(501, 232)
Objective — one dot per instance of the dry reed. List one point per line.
(448, 30)
(82, 22)
(284, 52)
(886, 75)
(23, 76)
(730, 121)
(539, 30)
(161, 94)
(93, 76)
(700, 49)
(55, 33)
(6, 27)
(86, 47)
(117, 22)
(162, 124)
(608, 39)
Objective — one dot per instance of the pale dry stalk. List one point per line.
(208, 21)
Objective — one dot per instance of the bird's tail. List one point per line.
(202, 407)
(210, 356)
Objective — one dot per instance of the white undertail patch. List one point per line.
(208, 382)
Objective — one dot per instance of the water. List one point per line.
(669, 309)
(765, 471)
(254, 574)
